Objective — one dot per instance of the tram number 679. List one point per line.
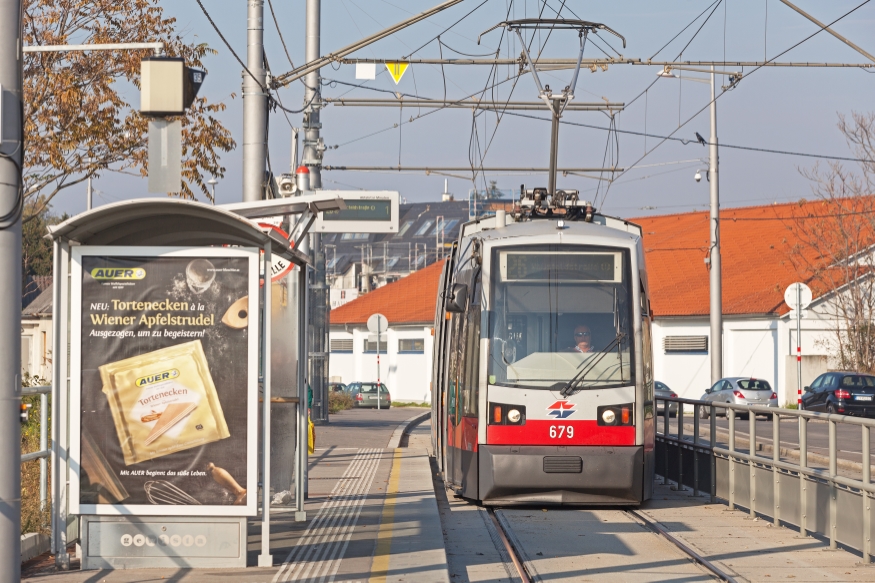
(560, 431)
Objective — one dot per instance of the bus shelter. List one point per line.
(177, 341)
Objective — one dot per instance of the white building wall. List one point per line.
(755, 347)
(407, 376)
(36, 348)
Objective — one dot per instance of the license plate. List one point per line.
(371, 398)
(863, 398)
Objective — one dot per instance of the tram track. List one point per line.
(528, 574)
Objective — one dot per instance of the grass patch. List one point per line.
(409, 404)
(791, 405)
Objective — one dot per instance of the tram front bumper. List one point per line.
(535, 474)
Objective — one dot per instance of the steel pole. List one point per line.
(716, 277)
(312, 155)
(798, 345)
(88, 198)
(554, 149)
(254, 106)
(10, 289)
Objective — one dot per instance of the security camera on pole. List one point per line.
(377, 325)
(798, 297)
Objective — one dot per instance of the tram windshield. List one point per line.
(560, 318)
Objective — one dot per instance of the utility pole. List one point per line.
(715, 274)
(11, 204)
(88, 198)
(254, 106)
(313, 145)
(312, 159)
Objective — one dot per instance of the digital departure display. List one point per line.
(560, 267)
(362, 210)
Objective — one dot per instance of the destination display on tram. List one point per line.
(573, 267)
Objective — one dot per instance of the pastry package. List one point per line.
(163, 402)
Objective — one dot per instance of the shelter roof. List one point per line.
(406, 301)
(169, 222)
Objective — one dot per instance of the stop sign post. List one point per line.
(798, 296)
(377, 324)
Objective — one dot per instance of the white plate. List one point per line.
(862, 398)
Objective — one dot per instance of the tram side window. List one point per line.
(457, 363)
(470, 395)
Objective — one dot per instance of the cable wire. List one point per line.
(227, 44)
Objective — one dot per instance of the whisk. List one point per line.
(163, 492)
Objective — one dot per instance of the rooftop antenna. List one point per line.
(556, 102)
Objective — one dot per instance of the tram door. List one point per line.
(454, 429)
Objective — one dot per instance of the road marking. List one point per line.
(380, 564)
(318, 553)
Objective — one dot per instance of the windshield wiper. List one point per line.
(571, 386)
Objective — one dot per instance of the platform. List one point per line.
(375, 515)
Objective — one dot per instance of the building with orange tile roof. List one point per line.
(759, 336)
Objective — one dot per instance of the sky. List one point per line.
(790, 109)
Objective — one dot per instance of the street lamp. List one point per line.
(713, 259)
(213, 182)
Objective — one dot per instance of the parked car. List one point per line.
(739, 391)
(336, 387)
(662, 390)
(365, 395)
(848, 393)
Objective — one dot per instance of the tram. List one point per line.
(542, 382)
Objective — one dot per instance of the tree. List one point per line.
(834, 247)
(78, 124)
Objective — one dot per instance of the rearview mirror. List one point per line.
(707, 391)
(807, 389)
(458, 301)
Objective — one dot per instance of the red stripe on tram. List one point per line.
(537, 432)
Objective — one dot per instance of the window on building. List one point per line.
(447, 227)
(372, 346)
(685, 344)
(424, 228)
(411, 345)
(333, 261)
(405, 227)
(392, 262)
(354, 236)
(341, 345)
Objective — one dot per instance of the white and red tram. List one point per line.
(542, 380)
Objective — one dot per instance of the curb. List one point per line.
(787, 452)
(404, 427)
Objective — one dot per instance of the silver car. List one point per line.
(739, 391)
(661, 390)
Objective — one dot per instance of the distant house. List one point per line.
(759, 338)
(406, 351)
(357, 263)
(36, 336)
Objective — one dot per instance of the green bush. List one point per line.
(33, 519)
(338, 402)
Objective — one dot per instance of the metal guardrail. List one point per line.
(45, 452)
(814, 500)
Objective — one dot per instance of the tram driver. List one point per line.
(582, 339)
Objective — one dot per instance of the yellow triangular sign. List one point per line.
(397, 70)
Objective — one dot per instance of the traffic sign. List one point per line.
(377, 324)
(798, 293)
(396, 70)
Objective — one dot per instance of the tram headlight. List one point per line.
(616, 415)
(504, 414)
(514, 416)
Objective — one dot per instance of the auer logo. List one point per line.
(104, 273)
(561, 409)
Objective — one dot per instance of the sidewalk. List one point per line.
(372, 516)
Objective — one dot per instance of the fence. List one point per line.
(814, 500)
(44, 452)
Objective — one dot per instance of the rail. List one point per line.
(44, 453)
(814, 500)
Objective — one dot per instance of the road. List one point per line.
(849, 438)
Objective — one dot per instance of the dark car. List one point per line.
(662, 390)
(365, 395)
(848, 393)
(336, 387)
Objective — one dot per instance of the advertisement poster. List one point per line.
(165, 355)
